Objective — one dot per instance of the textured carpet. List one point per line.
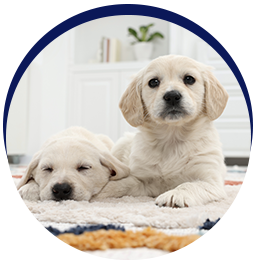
(136, 211)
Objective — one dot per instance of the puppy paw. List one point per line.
(191, 194)
(173, 198)
(28, 192)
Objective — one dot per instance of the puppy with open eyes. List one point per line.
(74, 164)
(176, 155)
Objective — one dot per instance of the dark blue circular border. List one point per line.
(230, 31)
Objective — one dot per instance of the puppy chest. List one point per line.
(158, 165)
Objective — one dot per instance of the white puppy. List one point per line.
(73, 164)
(176, 156)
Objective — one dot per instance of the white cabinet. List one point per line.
(92, 97)
(94, 94)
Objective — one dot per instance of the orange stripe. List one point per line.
(17, 176)
(233, 182)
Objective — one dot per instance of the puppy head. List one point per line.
(173, 89)
(72, 169)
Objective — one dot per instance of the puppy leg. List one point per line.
(30, 191)
(191, 194)
(123, 187)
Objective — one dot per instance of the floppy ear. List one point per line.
(216, 96)
(131, 102)
(118, 170)
(28, 173)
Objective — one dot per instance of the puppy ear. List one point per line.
(216, 96)
(131, 102)
(118, 170)
(28, 173)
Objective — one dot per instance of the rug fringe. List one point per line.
(148, 237)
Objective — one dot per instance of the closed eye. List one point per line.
(82, 168)
(48, 169)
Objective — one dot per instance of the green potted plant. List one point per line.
(143, 46)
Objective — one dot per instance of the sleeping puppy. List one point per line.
(73, 164)
(176, 155)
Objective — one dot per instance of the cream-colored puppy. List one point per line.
(73, 164)
(176, 156)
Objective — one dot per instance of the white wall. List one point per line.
(17, 123)
(88, 36)
(43, 95)
(47, 93)
(183, 42)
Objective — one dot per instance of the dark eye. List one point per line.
(81, 168)
(48, 169)
(189, 80)
(153, 83)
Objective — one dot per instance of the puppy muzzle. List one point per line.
(61, 191)
(172, 98)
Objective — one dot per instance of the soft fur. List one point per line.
(76, 157)
(176, 155)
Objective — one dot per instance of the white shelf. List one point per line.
(126, 65)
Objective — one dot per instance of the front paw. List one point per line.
(173, 198)
(30, 193)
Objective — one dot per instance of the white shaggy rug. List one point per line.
(133, 211)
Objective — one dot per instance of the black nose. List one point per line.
(61, 191)
(172, 97)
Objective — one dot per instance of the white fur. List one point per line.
(176, 159)
(65, 152)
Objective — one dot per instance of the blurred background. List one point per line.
(79, 78)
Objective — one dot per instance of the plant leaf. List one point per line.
(155, 35)
(144, 31)
(133, 33)
(150, 25)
